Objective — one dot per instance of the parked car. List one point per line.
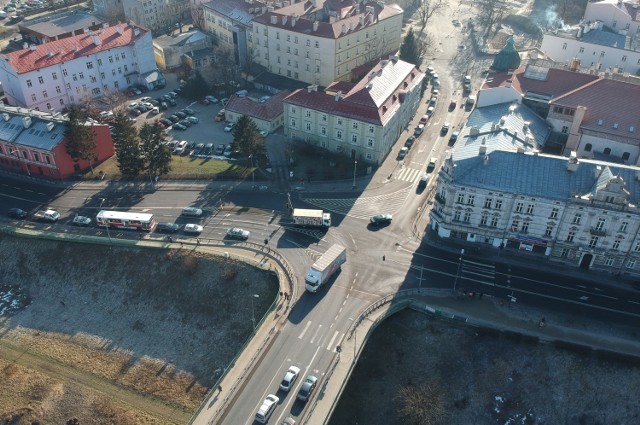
(179, 126)
(237, 233)
(410, 141)
(403, 152)
(166, 227)
(188, 111)
(166, 121)
(199, 149)
(172, 102)
(181, 114)
(419, 129)
(228, 150)
(174, 118)
(180, 147)
(220, 149)
(192, 211)
(424, 119)
(17, 213)
(454, 137)
(220, 116)
(229, 127)
(193, 228)
(164, 106)
(193, 120)
(445, 128)
(289, 378)
(211, 99)
(380, 219)
(185, 123)
(208, 149)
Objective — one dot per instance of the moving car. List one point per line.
(445, 128)
(289, 378)
(454, 137)
(80, 220)
(381, 219)
(192, 211)
(266, 408)
(308, 385)
(432, 164)
(237, 233)
(17, 213)
(166, 227)
(424, 119)
(193, 228)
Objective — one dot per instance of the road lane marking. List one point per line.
(313, 339)
(305, 330)
(332, 339)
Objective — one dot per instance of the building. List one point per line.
(33, 143)
(160, 16)
(361, 120)
(111, 11)
(55, 27)
(621, 16)
(53, 75)
(173, 51)
(266, 113)
(321, 41)
(229, 22)
(595, 46)
(496, 189)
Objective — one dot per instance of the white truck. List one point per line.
(313, 218)
(325, 267)
(47, 215)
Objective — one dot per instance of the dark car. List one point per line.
(179, 126)
(172, 102)
(174, 118)
(17, 213)
(181, 114)
(410, 141)
(166, 121)
(167, 227)
(186, 123)
(188, 111)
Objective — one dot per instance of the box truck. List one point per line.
(325, 267)
(314, 218)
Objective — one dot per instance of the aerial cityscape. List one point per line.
(319, 212)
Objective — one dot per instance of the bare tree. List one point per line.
(490, 13)
(197, 16)
(428, 9)
(374, 49)
(424, 404)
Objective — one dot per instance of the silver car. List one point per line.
(192, 211)
(192, 228)
(237, 233)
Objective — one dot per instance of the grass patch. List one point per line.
(309, 162)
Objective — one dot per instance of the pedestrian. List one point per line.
(198, 241)
(383, 258)
(281, 293)
(286, 296)
(220, 388)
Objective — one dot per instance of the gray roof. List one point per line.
(605, 37)
(538, 175)
(39, 136)
(63, 24)
(236, 10)
(10, 129)
(508, 137)
(182, 39)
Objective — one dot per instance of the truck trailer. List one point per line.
(312, 218)
(325, 267)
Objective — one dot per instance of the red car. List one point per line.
(424, 119)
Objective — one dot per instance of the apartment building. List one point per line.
(360, 120)
(157, 15)
(52, 75)
(322, 41)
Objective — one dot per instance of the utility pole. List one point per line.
(455, 282)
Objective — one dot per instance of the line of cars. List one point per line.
(269, 404)
(199, 150)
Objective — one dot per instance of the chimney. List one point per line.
(105, 25)
(32, 47)
(119, 28)
(75, 47)
(362, 20)
(344, 29)
(96, 40)
(294, 19)
(26, 122)
(25, 45)
(393, 58)
(338, 95)
(315, 26)
(50, 126)
(572, 164)
(136, 31)
(482, 149)
(6, 116)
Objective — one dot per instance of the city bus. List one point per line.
(126, 220)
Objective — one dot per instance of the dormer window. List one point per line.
(615, 125)
(600, 122)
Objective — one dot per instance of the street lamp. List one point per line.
(253, 311)
(455, 283)
(253, 172)
(26, 164)
(108, 234)
(355, 165)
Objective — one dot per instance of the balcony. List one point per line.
(597, 232)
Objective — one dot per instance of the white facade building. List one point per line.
(53, 75)
(157, 15)
(319, 42)
(362, 120)
(621, 16)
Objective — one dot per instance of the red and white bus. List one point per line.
(126, 220)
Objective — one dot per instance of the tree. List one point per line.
(127, 144)
(490, 12)
(80, 140)
(196, 87)
(427, 9)
(423, 404)
(154, 150)
(409, 49)
(197, 16)
(247, 138)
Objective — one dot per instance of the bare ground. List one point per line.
(156, 324)
(484, 379)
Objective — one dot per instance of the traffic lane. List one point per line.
(19, 190)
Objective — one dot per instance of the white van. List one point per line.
(180, 147)
(242, 93)
(266, 409)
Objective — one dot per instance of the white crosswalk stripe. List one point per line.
(363, 207)
(320, 337)
(408, 174)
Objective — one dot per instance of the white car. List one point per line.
(192, 228)
(289, 378)
(264, 133)
(229, 127)
(81, 220)
(266, 408)
(237, 233)
(192, 211)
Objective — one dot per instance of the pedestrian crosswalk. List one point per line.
(314, 334)
(408, 174)
(478, 272)
(363, 207)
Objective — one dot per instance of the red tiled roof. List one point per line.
(343, 86)
(48, 54)
(267, 111)
(556, 83)
(614, 102)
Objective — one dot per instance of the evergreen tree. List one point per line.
(80, 141)
(127, 143)
(410, 50)
(154, 150)
(247, 138)
(196, 87)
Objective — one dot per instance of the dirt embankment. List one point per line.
(111, 335)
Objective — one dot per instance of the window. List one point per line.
(61, 101)
(75, 77)
(587, 147)
(460, 198)
(54, 75)
(608, 261)
(102, 75)
(58, 90)
(317, 44)
(100, 61)
(467, 217)
(93, 79)
(113, 72)
(308, 113)
(354, 138)
(554, 213)
(565, 129)
(494, 221)
(339, 134)
(519, 207)
(323, 131)
(126, 68)
(636, 247)
(564, 46)
(293, 110)
(44, 94)
(89, 65)
(582, 50)
(308, 126)
(471, 199)
(525, 227)
(355, 125)
(625, 156)
(81, 74)
(116, 84)
(293, 122)
(372, 129)
(48, 106)
(308, 43)
(571, 235)
(68, 86)
(41, 80)
(631, 264)
(64, 72)
(624, 58)
(456, 216)
(498, 204)
(593, 242)
(530, 208)
(110, 59)
(487, 202)
(616, 244)
(600, 224)
(577, 218)
(33, 97)
(323, 117)
(607, 151)
(339, 121)
(483, 219)
(369, 142)
(29, 84)
(623, 226)
(548, 231)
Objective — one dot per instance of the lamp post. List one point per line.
(455, 282)
(253, 311)
(26, 164)
(108, 234)
(355, 165)
(253, 172)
